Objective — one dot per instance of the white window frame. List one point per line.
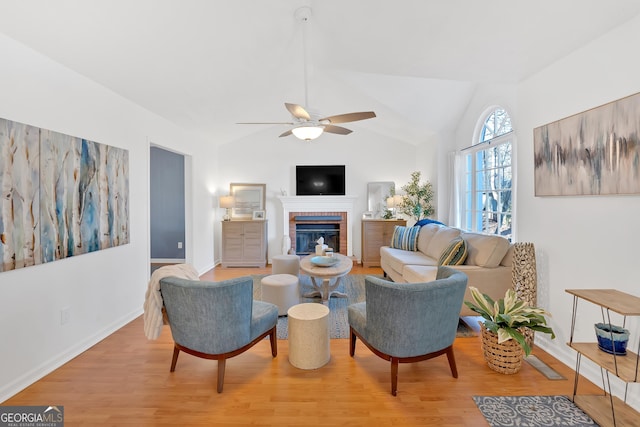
(472, 203)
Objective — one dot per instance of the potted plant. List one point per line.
(503, 327)
(416, 201)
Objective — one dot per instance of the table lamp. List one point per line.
(227, 203)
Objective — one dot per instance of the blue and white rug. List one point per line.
(531, 411)
(353, 286)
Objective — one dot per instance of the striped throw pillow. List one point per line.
(405, 238)
(455, 253)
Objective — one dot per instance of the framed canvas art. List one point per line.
(596, 152)
(248, 198)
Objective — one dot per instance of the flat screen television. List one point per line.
(320, 180)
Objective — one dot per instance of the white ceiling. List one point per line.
(207, 64)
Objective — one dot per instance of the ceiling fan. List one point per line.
(307, 126)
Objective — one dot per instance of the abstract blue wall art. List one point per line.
(61, 196)
(596, 152)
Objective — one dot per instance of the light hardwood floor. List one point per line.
(125, 380)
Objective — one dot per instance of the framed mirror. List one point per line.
(377, 193)
(247, 199)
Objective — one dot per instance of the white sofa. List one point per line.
(488, 262)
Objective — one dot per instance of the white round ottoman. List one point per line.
(289, 264)
(281, 290)
(309, 335)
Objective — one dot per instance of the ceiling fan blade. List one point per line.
(265, 123)
(350, 117)
(287, 133)
(297, 111)
(337, 129)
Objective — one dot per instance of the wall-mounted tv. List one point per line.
(320, 180)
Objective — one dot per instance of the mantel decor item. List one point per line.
(248, 198)
(612, 339)
(503, 327)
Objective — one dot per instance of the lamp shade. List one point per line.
(390, 204)
(307, 133)
(226, 202)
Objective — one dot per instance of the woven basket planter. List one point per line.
(505, 357)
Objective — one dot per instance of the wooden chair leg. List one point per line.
(394, 375)
(452, 362)
(352, 342)
(274, 342)
(174, 360)
(221, 364)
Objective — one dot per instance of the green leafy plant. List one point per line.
(416, 201)
(509, 316)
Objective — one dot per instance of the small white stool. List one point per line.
(309, 335)
(281, 290)
(285, 264)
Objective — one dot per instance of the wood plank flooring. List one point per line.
(125, 380)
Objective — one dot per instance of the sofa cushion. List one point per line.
(440, 241)
(397, 259)
(507, 261)
(420, 273)
(455, 253)
(405, 238)
(485, 250)
(427, 232)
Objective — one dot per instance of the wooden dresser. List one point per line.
(376, 233)
(244, 243)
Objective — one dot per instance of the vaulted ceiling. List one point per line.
(208, 64)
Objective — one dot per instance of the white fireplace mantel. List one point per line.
(321, 204)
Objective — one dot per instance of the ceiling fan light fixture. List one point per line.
(307, 133)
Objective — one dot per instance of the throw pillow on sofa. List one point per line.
(405, 238)
(455, 253)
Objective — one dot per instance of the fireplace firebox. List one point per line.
(305, 228)
(307, 236)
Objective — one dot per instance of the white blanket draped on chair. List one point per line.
(153, 299)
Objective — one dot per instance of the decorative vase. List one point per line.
(525, 278)
(612, 339)
(505, 357)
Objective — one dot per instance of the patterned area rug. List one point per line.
(353, 286)
(531, 411)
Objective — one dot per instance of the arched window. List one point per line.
(488, 195)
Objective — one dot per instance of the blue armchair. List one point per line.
(409, 322)
(216, 320)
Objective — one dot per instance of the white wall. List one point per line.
(265, 158)
(581, 242)
(103, 290)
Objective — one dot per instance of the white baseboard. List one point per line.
(24, 381)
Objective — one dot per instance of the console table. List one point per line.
(244, 243)
(376, 233)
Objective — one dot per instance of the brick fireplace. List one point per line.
(321, 206)
(333, 223)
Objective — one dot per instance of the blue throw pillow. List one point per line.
(405, 238)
